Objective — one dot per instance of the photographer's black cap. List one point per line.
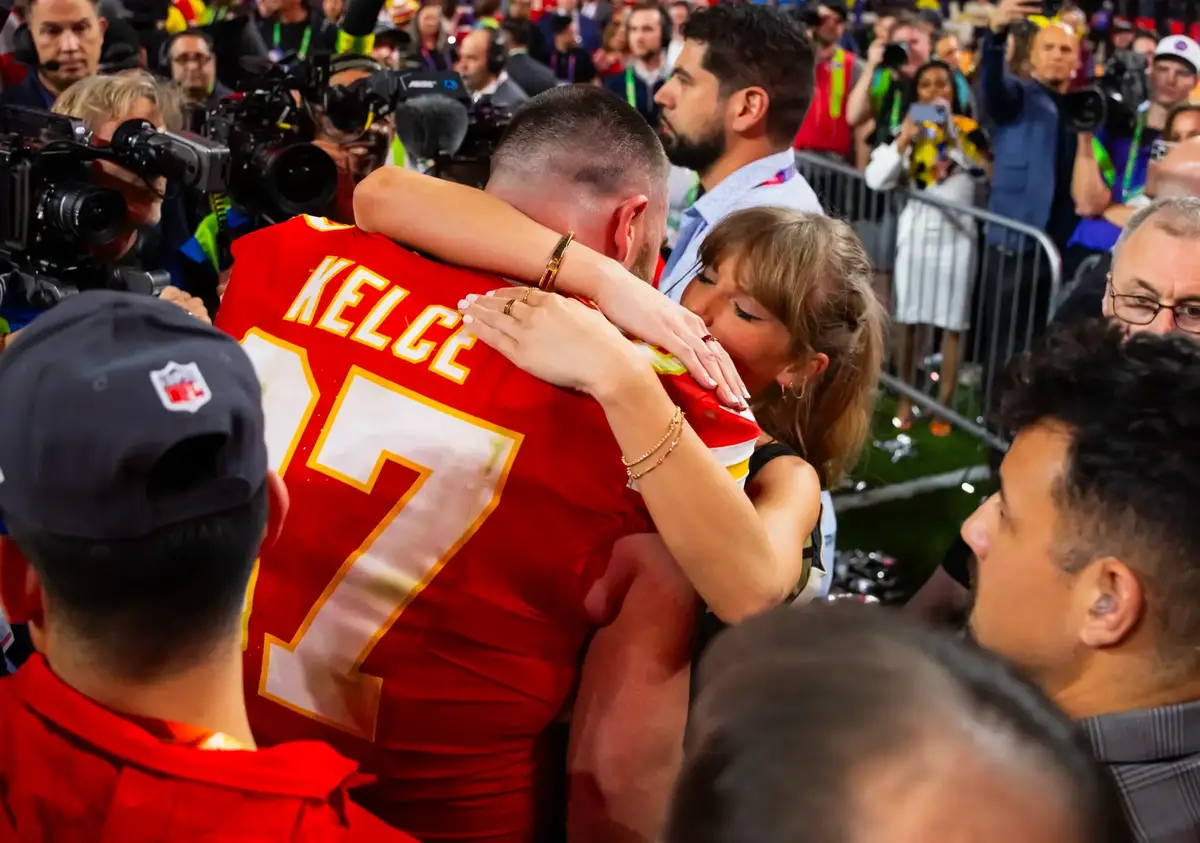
(121, 414)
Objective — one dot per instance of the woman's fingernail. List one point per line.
(464, 304)
(745, 392)
(470, 297)
(467, 320)
(491, 292)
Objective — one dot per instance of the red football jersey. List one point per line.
(71, 769)
(424, 607)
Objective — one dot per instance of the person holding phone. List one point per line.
(939, 151)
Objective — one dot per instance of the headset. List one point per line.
(164, 49)
(665, 22)
(497, 51)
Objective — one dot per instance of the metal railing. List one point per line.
(966, 289)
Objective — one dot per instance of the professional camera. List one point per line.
(1111, 103)
(53, 211)
(276, 172)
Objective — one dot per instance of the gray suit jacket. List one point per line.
(508, 95)
(533, 76)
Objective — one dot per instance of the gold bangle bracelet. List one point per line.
(662, 458)
(676, 420)
(550, 274)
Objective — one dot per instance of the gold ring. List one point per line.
(508, 306)
(525, 296)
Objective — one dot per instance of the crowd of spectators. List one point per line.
(505, 515)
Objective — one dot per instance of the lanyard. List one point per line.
(1131, 159)
(304, 40)
(571, 68)
(630, 89)
(427, 54)
(785, 175)
(692, 193)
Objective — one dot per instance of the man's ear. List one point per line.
(629, 229)
(1106, 302)
(278, 502)
(103, 25)
(20, 588)
(749, 107)
(1115, 601)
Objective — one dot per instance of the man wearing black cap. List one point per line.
(133, 477)
(826, 128)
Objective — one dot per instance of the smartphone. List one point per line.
(920, 113)
(1050, 8)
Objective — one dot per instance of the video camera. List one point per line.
(52, 211)
(276, 172)
(1113, 101)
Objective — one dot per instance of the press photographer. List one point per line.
(1111, 163)
(81, 193)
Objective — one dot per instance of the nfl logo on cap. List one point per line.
(181, 387)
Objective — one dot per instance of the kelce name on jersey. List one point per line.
(411, 345)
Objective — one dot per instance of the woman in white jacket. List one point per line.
(942, 153)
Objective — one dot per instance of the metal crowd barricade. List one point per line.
(946, 269)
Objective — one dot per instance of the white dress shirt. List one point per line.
(750, 187)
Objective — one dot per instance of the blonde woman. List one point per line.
(787, 294)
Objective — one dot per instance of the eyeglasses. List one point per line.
(1142, 310)
(1160, 148)
(201, 59)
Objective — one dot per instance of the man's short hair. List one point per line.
(517, 31)
(157, 604)
(98, 99)
(906, 20)
(1129, 487)
(582, 136)
(797, 705)
(758, 46)
(1178, 216)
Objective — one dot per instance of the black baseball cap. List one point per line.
(121, 414)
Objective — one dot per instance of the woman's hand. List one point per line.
(560, 340)
(643, 312)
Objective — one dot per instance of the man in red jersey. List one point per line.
(454, 519)
(134, 484)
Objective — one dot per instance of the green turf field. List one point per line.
(915, 529)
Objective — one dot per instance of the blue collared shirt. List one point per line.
(743, 189)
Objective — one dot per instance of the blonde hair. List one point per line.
(812, 274)
(98, 99)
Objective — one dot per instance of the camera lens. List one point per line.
(299, 179)
(93, 215)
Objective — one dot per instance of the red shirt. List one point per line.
(424, 609)
(73, 770)
(821, 130)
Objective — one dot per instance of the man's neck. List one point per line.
(48, 84)
(651, 63)
(744, 152)
(429, 42)
(209, 696)
(296, 15)
(1117, 683)
(1059, 87)
(825, 53)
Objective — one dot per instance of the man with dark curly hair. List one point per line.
(1088, 558)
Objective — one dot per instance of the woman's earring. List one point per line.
(796, 392)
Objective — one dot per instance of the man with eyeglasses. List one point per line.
(194, 69)
(1111, 167)
(1154, 285)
